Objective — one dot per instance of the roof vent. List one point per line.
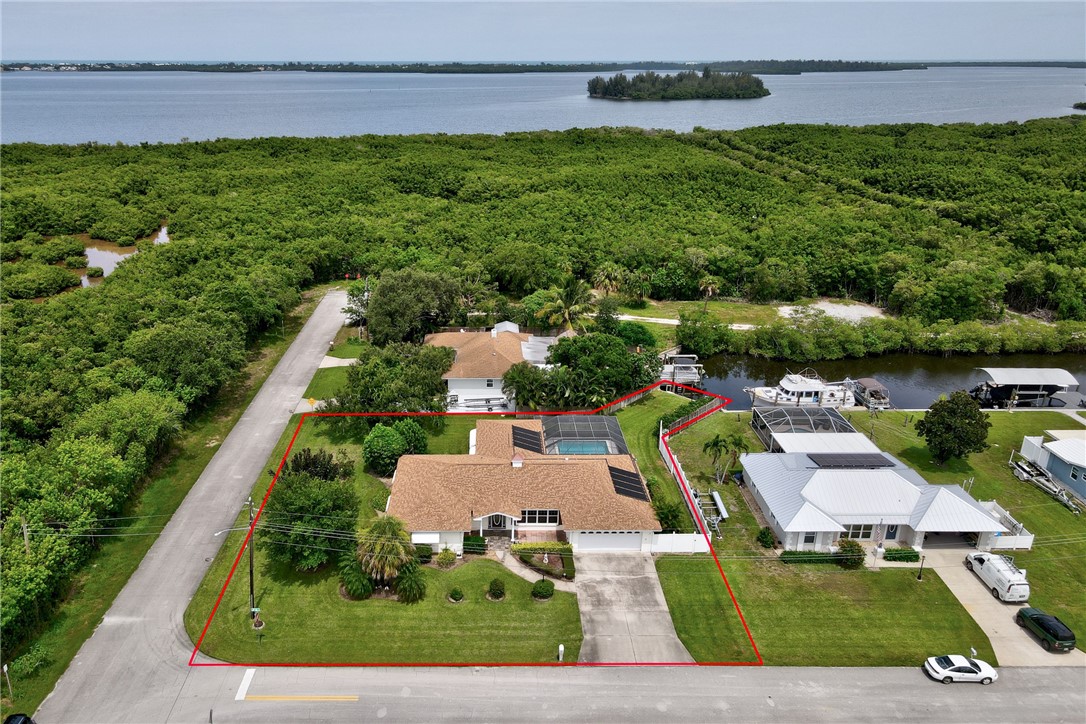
(518, 461)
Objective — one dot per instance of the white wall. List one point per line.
(679, 543)
(476, 388)
(445, 539)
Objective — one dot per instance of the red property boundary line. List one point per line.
(683, 485)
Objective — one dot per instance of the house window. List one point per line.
(544, 517)
(859, 532)
(1075, 473)
(490, 383)
(809, 538)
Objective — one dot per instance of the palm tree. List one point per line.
(638, 283)
(384, 548)
(716, 448)
(567, 305)
(709, 286)
(609, 277)
(733, 444)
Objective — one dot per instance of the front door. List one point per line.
(496, 521)
(891, 532)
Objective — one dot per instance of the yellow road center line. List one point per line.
(256, 697)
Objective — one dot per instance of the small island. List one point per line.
(687, 85)
(1080, 106)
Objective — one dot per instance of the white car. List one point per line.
(953, 667)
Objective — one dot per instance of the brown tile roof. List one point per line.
(479, 354)
(444, 492)
(494, 438)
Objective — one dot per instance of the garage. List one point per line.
(606, 540)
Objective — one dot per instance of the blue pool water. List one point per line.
(583, 447)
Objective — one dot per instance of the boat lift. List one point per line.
(711, 507)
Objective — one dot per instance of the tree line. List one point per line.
(949, 225)
(686, 85)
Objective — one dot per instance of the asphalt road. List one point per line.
(135, 664)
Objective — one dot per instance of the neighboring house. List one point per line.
(568, 477)
(475, 378)
(1063, 457)
(811, 500)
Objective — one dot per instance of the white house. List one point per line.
(475, 378)
(812, 499)
(1063, 457)
(522, 485)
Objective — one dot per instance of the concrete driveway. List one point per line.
(1013, 646)
(623, 612)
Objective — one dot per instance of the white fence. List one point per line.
(676, 469)
(1019, 538)
(679, 543)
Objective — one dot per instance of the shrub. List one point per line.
(380, 500)
(356, 582)
(807, 557)
(766, 539)
(446, 558)
(457, 595)
(474, 544)
(95, 271)
(669, 417)
(321, 464)
(543, 589)
(75, 262)
(410, 584)
(412, 434)
(32, 659)
(850, 554)
(901, 554)
(423, 552)
(382, 449)
(497, 589)
(669, 513)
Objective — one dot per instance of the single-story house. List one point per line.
(811, 500)
(1063, 457)
(475, 378)
(578, 485)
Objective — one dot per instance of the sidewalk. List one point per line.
(513, 563)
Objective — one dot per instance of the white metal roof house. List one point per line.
(1063, 457)
(475, 378)
(808, 429)
(811, 500)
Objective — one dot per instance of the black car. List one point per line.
(1053, 632)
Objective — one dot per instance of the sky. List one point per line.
(521, 30)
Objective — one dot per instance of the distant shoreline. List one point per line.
(760, 67)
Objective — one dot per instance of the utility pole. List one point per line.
(26, 535)
(252, 593)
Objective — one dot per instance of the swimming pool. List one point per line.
(583, 447)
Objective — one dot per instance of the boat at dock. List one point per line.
(870, 393)
(802, 389)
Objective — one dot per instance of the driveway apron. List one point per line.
(623, 612)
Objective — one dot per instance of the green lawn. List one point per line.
(730, 312)
(815, 615)
(638, 423)
(326, 383)
(454, 437)
(1056, 566)
(309, 621)
(347, 344)
(94, 590)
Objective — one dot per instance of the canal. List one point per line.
(914, 380)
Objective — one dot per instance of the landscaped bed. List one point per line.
(308, 620)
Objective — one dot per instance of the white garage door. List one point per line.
(593, 540)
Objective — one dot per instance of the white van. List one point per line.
(1006, 581)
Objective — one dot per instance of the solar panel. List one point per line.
(627, 483)
(527, 440)
(850, 460)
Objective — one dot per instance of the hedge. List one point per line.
(807, 557)
(474, 544)
(908, 555)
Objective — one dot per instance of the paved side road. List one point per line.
(135, 664)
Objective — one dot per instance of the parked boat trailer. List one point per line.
(1027, 472)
